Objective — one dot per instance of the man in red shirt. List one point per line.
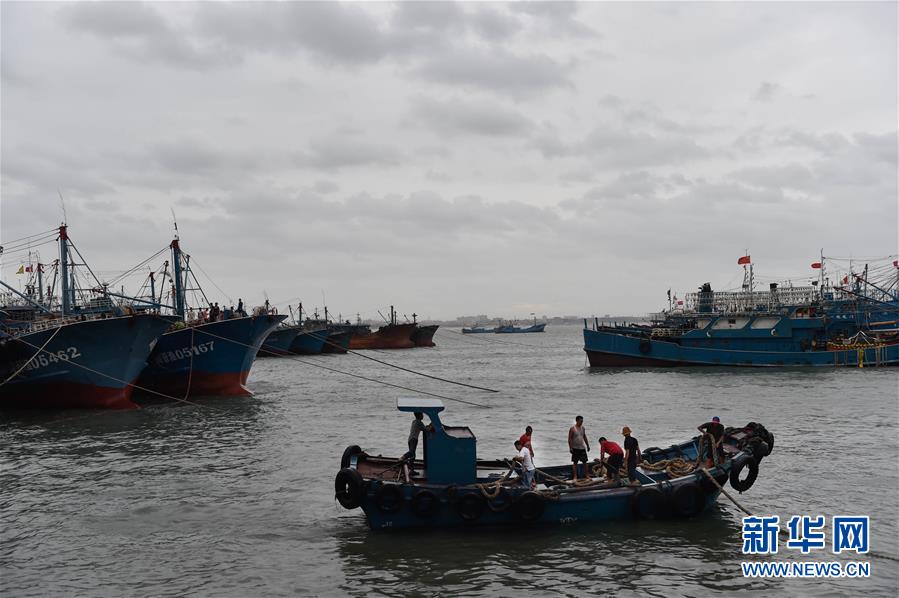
(616, 457)
(525, 440)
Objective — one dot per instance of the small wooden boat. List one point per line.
(455, 488)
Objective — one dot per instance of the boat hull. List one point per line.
(309, 342)
(93, 365)
(338, 341)
(212, 359)
(391, 336)
(278, 341)
(610, 349)
(517, 330)
(423, 336)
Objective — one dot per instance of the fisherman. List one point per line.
(240, 307)
(527, 465)
(578, 445)
(716, 431)
(525, 440)
(418, 426)
(631, 455)
(616, 457)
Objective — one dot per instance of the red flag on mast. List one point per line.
(744, 260)
(816, 265)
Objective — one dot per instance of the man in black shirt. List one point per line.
(631, 455)
(716, 430)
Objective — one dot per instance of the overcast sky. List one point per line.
(455, 158)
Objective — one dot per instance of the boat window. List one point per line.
(702, 323)
(765, 323)
(730, 323)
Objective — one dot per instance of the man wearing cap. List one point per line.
(716, 431)
(631, 455)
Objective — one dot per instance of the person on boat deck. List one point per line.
(578, 445)
(418, 426)
(526, 440)
(631, 454)
(240, 307)
(616, 457)
(527, 465)
(716, 430)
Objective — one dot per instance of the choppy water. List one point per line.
(235, 497)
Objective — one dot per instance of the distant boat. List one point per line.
(512, 329)
(423, 336)
(477, 330)
(390, 336)
(279, 341)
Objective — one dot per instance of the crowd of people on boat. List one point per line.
(613, 457)
(214, 313)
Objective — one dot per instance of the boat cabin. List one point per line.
(450, 452)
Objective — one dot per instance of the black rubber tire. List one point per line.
(649, 503)
(389, 498)
(471, 506)
(424, 504)
(349, 488)
(530, 506)
(737, 468)
(645, 346)
(348, 452)
(687, 499)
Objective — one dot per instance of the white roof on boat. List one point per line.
(419, 404)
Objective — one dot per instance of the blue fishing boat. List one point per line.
(309, 342)
(279, 340)
(455, 488)
(510, 328)
(74, 349)
(819, 325)
(205, 356)
(477, 330)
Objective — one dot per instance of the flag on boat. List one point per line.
(896, 263)
(680, 302)
(744, 260)
(846, 279)
(23, 269)
(816, 265)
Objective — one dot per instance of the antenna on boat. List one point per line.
(174, 221)
(62, 205)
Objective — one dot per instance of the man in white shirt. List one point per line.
(527, 464)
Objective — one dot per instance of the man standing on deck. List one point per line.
(527, 464)
(631, 455)
(716, 431)
(418, 426)
(578, 445)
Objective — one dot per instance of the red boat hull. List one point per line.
(203, 384)
(70, 395)
(392, 336)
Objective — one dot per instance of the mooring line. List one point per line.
(375, 380)
(399, 367)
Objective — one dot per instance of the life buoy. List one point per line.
(737, 468)
(645, 346)
(349, 488)
(530, 506)
(470, 506)
(348, 454)
(424, 503)
(648, 503)
(389, 498)
(687, 499)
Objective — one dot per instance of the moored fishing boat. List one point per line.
(423, 335)
(477, 330)
(820, 325)
(511, 328)
(390, 336)
(309, 342)
(77, 361)
(279, 340)
(205, 357)
(455, 488)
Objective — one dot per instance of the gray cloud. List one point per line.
(766, 92)
(470, 117)
(340, 152)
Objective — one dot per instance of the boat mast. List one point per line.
(40, 282)
(179, 284)
(64, 265)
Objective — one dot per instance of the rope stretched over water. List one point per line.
(375, 380)
(382, 362)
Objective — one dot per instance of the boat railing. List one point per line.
(746, 301)
(39, 325)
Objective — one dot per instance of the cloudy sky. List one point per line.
(454, 158)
